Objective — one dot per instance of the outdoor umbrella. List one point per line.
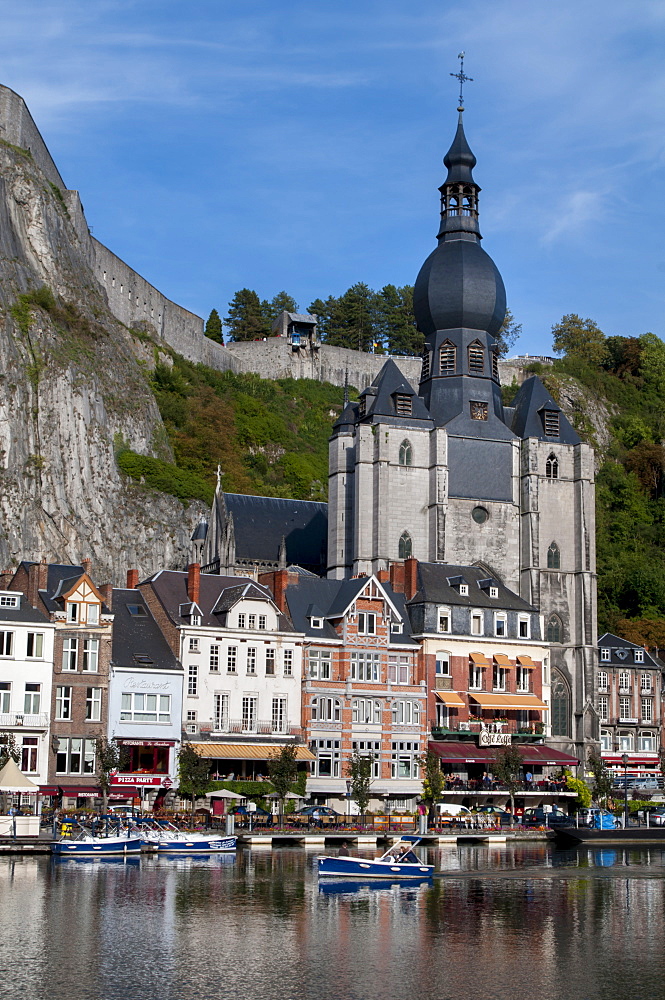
(223, 793)
(289, 795)
(13, 780)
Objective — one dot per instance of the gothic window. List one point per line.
(476, 359)
(362, 406)
(478, 410)
(405, 548)
(403, 404)
(425, 371)
(447, 359)
(405, 453)
(554, 629)
(552, 467)
(560, 705)
(553, 557)
(551, 423)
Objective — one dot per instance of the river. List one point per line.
(501, 923)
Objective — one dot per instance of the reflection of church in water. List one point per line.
(448, 474)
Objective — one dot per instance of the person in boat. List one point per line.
(344, 850)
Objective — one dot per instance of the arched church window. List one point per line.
(552, 467)
(560, 705)
(405, 547)
(553, 556)
(447, 359)
(405, 453)
(476, 358)
(554, 629)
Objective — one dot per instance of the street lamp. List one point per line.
(348, 800)
(624, 761)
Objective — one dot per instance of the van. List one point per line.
(452, 809)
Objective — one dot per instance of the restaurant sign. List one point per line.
(136, 779)
(490, 739)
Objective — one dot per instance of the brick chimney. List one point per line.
(106, 590)
(194, 582)
(383, 576)
(132, 579)
(280, 583)
(87, 565)
(410, 578)
(397, 577)
(37, 580)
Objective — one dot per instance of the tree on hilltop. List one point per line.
(282, 302)
(394, 321)
(246, 319)
(579, 338)
(213, 327)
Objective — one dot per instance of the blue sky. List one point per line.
(298, 145)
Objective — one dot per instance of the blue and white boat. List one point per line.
(165, 838)
(86, 845)
(398, 862)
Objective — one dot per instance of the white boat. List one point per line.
(165, 838)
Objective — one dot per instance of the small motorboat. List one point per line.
(165, 838)
(76, 841)
(398, 862)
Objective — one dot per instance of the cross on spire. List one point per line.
(462, 77)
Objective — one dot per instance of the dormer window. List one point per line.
(93, 614)
(316, 622)
(494, 591)
(396, 628)
(639, 655)
(10, 600)
(72, 611)
(464, 589)
(605, 654)
(403, 404)
(196, 619)
(551, 423)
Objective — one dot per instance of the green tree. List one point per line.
(108, 756)
(193, 774)
(213, 327)
(579, 338)
(359, 770)
(508, 335)
(581, 789)
(652, 362)
(246, 319)
(433, 780)
(507, 767)
(348, 321)
(394, 322)
(9, 749)
(602, 779)
(280, 303)
(283, 771)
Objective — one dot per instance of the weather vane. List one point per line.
(462, 77)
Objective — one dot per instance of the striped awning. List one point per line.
(527, 702)
(246, 751)
(479, 659)
(450, 698)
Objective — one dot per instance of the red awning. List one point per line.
(146, 743)
(49, 789)
(469, 753)
(81, 790)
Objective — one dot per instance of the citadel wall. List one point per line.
(18, 127)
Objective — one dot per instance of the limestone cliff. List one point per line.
(71, 388)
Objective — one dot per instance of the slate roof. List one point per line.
(434, 587)
(138, 635)
(260, 523)
(60, 577)
(24, 614)
(170, 586)
(329, 599)
(532, 397)
(615, 642)
(380, 397)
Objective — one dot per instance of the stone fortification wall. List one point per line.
(19, 128)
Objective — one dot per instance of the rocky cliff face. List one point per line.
(72, 388)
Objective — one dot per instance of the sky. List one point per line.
(291, 145)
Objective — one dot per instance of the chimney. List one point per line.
(37, 580)
(132, 579)
(194, 582)
(280, 583)
(410, 578)
(383, 576)
(397, 577)
(87, 565)
(106, 590)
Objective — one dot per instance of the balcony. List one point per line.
(533, 733)
(24, 720)
(245, 727)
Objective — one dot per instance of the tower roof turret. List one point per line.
(459, 159)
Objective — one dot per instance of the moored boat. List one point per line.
(573, 836)
(98, 847)
(398, 862)
(165, 838)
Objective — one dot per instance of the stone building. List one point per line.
(448, 474)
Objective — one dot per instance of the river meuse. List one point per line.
(502, 922)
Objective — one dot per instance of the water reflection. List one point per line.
(498, 923)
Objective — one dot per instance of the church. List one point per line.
(449, 474)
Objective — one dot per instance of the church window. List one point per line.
(426, 365)
(405, 547)
(554, 629)
(403, 404)
(495, 365)
(551, 423)
(447, 359)
(476, 359)
(560, 706)
(553, 557)
(552, 467)
(479, 410)
(479, 514)
(405, 453)
(362, 406)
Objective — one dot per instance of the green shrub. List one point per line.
(164, 476)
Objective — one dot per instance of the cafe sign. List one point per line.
(490, 739)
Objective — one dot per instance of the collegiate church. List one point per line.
(448, 474)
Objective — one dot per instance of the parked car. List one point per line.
(545, 817)
(322, 811)
(657, 816)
